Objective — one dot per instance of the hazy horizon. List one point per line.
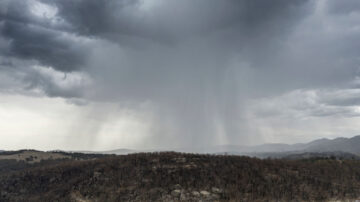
(181, 149)
(147, 74)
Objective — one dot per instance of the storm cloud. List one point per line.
(202, 70)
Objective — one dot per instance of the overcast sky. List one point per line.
(107, 74)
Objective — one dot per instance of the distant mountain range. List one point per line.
(349, 145)
(340, 145)
(345, 145)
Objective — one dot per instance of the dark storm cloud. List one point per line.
(36, 80)
(99, 18)
(25, 77)
(344, 98)
(343, 7)
(31, 38)
(174, 20)
(48, 47)
(6, 63)
(34, 38)
(15, 10)
(196, 61)
(247, 27)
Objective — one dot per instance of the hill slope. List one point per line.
(176, 176)
(351, 145)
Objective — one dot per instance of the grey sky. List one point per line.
(170, 73)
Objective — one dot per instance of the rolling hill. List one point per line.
(173, 176)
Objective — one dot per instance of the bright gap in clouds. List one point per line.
(300, 115)
(45, 123)
(42, 10)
